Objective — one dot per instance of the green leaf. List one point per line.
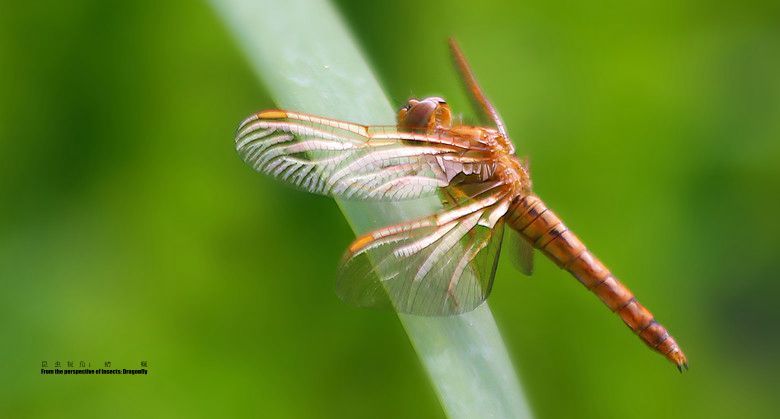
(305, 55)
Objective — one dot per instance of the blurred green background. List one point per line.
(130, 230)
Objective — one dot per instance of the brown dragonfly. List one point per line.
(444, 263)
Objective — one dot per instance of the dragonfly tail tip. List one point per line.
(682, 367)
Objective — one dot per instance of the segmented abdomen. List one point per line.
(540, 226)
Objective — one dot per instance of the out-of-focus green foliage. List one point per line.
(130, 230)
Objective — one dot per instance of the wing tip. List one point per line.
(359, 243)
(266, 114)
(272, 114)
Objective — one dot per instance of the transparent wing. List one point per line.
(439, 265)
(347, 160)
(521, 253)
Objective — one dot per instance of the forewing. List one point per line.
(346, 160)
(439, 265)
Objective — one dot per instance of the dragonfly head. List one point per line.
(427, 115)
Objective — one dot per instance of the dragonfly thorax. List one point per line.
(516, 173)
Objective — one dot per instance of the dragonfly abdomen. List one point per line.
(545, 230)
